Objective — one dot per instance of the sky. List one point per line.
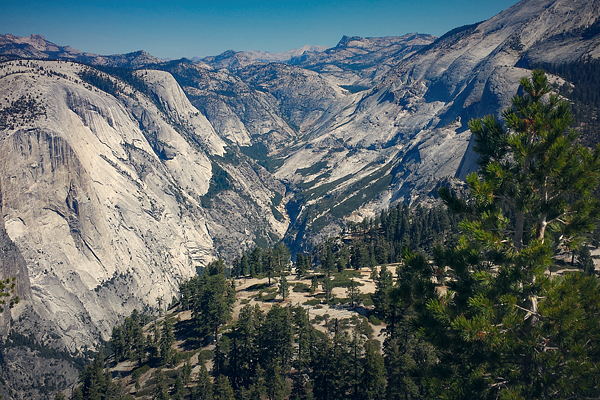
(201, 28)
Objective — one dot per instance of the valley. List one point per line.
(123, 176)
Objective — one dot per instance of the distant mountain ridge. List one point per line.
(37, 47)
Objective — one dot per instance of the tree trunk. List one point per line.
(541, 228)
(520, 222)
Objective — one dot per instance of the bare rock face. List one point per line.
(97, 216)
(103, 198)
(358, 62)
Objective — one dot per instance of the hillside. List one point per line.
(192, 355)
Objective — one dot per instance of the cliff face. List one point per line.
(102, 197)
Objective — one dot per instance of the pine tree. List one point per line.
(186, 371)
(269, 265)
(314, 284)
(95, 382)
(502, 331)
(284, 287)
(179, 388)
(213, 305)
(585, 261)
(327, 286)
(327, 259)
(204, 389)
(161, 391)
(383, 284)
(167, 338)
(256, 262)
(222, 389)
(244, 354)
(372, 386)
(353, 292)
(281, 255)
(244, 265)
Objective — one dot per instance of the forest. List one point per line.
(494, 294)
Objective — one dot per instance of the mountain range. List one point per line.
(123, 175)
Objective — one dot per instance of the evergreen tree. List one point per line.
(383, 284)
(244, 265)
(161, 390)
(244, 354)
(302, 264)
(327, 259)
(372, 386)
(276, 340)
(353, 292)
(179, 388)
(214, 301)
(301, 327)
(502, 331)
(314, 284)
(269, 265)
(255, 262)
(281, 255)
(204, 389)
(284, 287)
(167, 338)
(585, 261)
(95, 382)
(327, 286)
(186, 372)
(222, 389)
(343, 258)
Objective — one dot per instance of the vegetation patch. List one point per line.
(219, 182)
(355, 88)
(313, 169)
(260, 154)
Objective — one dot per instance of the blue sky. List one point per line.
(201, 28)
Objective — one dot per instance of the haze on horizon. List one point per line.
(202, 28)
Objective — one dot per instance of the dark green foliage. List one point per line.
(509, 330)
(303, 262)
(284, 287)
(179, 388)
(101, 81)
(327, 259)
(24, 109)
(373, 380)
(167, 338)
(353, 292)
(270, 262)
(127, 341)
(260, 153)
(219, 182)
(96, 383)
(585, 261)
(327, 286)
(383, 240)
(125, 75)
(204, 388)
(161, 390)
(381, 297)
(222, 389)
